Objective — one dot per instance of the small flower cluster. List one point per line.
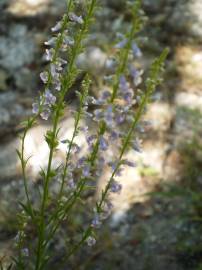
(62, 42)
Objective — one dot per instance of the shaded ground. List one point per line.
(158, 231)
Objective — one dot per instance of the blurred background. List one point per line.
(157, 220)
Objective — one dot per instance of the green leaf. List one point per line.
(26, 209)
(52, 173)
(27, 160)
(89, 188)
(10, 266)
(50, 139)
(19, 154)
(42, 173)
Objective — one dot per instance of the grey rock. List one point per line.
(3, 2)
(8, 160)
(4, 116)
(11, 112)
(92, 60)
(25, 79)
(186, 18)
(17, 49)
(3, 79)
(117, 4)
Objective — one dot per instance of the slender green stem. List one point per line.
(60, 216)
(121, 69)
(23, 165)
(152, 82)
(65, 88)
(41, 229)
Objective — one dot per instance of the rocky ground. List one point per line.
(155, 231)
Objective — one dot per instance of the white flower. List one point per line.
(50, 99)
(77, 19)
(44, 76)
(57, 27)
(91, 241)
(45, 114)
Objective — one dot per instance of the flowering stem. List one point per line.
(83, 97)
(124, 54)
(60, 216)
(47, 223)
(21, 155)
(121, 69)
(152, 83)
(126, 51)
(66, 84)
(55, 217)
(75, 52)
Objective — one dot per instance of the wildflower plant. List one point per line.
(116, 112)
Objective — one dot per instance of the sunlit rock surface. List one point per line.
(28, 7)
(189, 100)
(189, 65)
(36, 148)
(160, 114)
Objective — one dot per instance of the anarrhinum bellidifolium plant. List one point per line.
(118, 111)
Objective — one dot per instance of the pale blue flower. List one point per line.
(109, 115)
(58, 85)
(110, 64)
(128, 96)
(45, 114)
(84, 129)
(136, 145)
(136, 75)
(115, 187)
(50, 42)
(25, 252)
(106, 211)
(57, 27)
(105, 95)
(68, 41)
(50, 99)
(86, 171)
(44, 76)
(49, 54)
(71, 184)
(35, 108)
(98, 114)
(129, 163)
(91, 139)
(114, 135)
(17, 237)
(96, 223)
(136, 50)
(81, 162)
(123, 84)
(121, 44)
(103, 143)
(120, 118)
(74, 18)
